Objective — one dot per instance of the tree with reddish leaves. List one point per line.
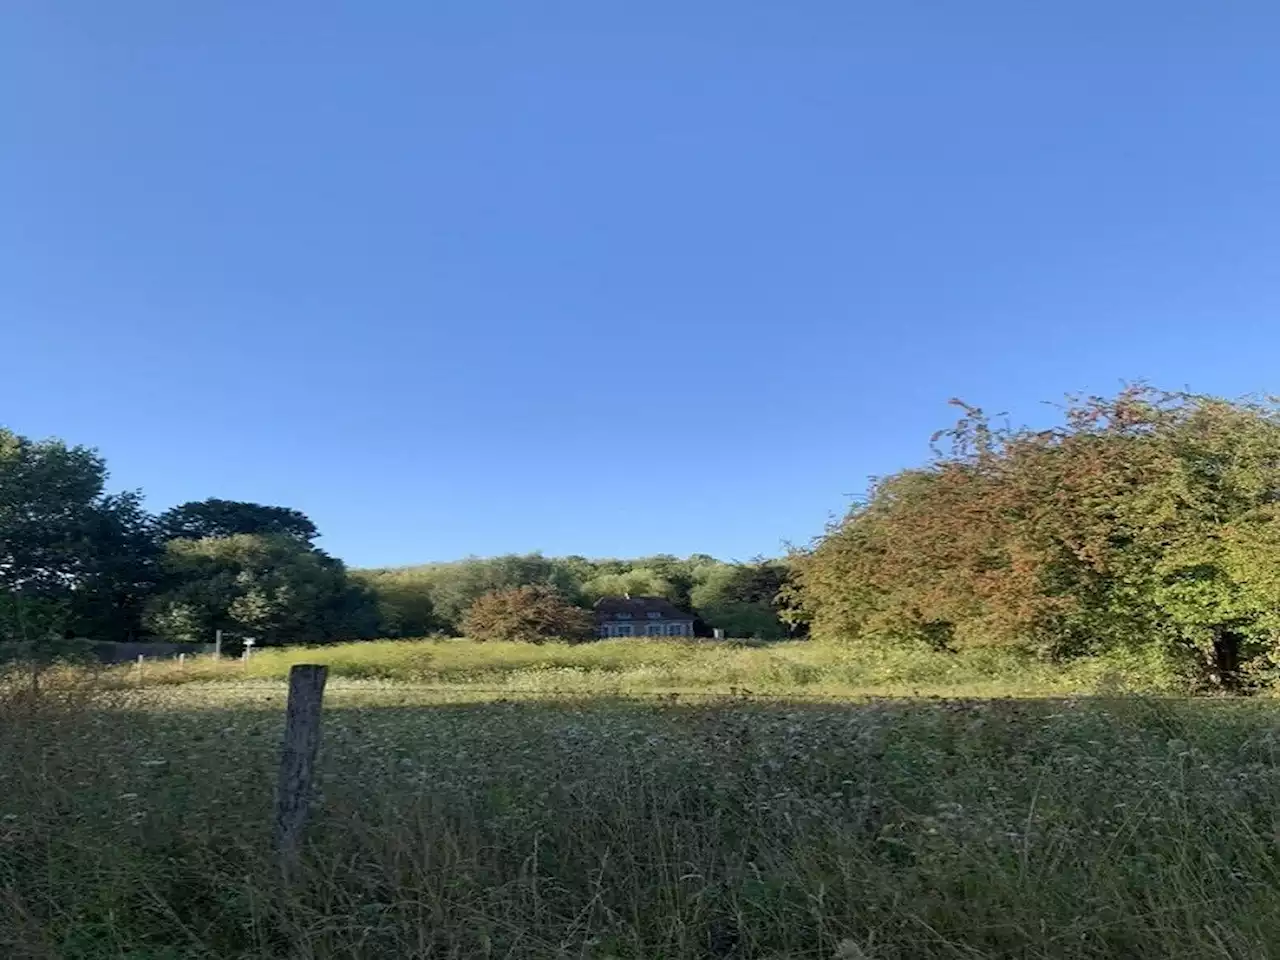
(1148, 518)
(529, 614)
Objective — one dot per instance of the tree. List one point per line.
(637, 582)
(675, 576)
(404, 602)
(67, 546)
(742, 598)
(272, 588)
(198, 520)
(121, 570)
(50, 495)
(31, 627)
(449, 589)
(530, 614)
(1148, 518)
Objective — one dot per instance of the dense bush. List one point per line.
(530, 614)
(1148, 519)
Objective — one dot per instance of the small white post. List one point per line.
(217, 644)
(139, 667)
(182, 661)
(248, 649)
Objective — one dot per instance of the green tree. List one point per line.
(403, 599)
(272, 588)
(201, 519)
(529, 614)
(66, 545)
(449, 589)
(742, 599)
(681, 574)
(637, 582)
(120, 571)
(50, 495)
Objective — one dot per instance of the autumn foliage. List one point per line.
(531, 614)
(1144, 518)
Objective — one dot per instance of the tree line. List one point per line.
(742, 599)
(1144, 523)
(77, 561)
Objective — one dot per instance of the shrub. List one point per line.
(1145, 521)
(531, 614)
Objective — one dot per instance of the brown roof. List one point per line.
(639, 608)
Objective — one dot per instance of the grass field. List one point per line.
(453, 823)
(630, 667)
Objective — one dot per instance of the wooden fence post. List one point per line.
(140, 659)
(217, 644)
(182, 661)
(297, 760)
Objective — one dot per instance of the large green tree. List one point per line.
(272, 588)
(66, 545)
(120, 571)
(199, 519)
(50, 498)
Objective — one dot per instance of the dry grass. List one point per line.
(133, 824)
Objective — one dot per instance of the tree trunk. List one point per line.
(1225, 667)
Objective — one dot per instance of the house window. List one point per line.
(619, 629)
(654, 615)
(624, 616)
(675, 629)
(653, 629)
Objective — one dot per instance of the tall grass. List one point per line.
(134, 824)
(613, 667)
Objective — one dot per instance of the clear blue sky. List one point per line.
(614, 278)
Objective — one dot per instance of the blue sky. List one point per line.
(611, 278)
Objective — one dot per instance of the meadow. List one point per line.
(635, 667)
(480, 802)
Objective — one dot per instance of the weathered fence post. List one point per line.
(297, 760)
(140, 659)
(182, 661)
(217, 644)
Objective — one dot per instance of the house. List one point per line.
(630, 616)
